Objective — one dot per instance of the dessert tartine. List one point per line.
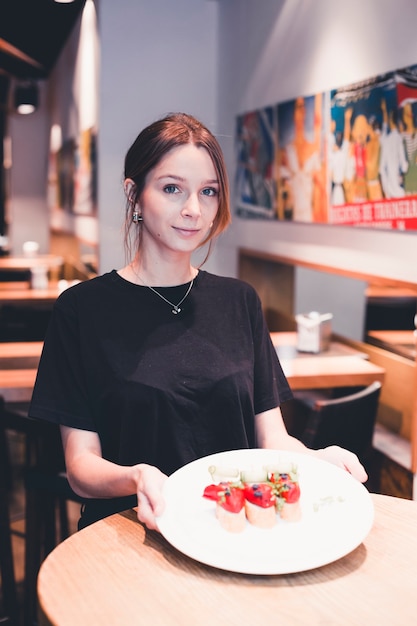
(255, 495)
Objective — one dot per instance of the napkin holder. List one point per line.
(39, 277)
(314, 331)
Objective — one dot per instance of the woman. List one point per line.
(409, 133)
(159, 363)
(300, 169)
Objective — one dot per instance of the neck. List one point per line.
(159, 274)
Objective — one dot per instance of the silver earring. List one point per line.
(136, 217)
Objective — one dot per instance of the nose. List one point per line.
(191, 206)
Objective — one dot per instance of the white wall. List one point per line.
(27, 177)
(275, 50)
(156, 57)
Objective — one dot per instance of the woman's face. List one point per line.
(299, 112)
(408, 114)
(360, 129)
(180, 200)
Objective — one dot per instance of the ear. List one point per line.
(129, 187)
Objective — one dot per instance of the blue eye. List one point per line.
(210, 191)
(170, 188)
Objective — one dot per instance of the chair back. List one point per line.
(9, 613)
(47, 491)
(348, 421)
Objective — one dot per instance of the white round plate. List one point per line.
(337, 515)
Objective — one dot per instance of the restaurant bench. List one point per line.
(394, 440)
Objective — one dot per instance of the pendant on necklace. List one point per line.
(176, 310)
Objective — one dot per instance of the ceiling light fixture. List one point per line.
(26, 98)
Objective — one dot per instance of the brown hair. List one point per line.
(153, 143)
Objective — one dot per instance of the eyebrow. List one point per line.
(213, 181)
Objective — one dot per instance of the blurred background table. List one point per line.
(28, 289)
(16, 385)
(50, 261)
(401, 342)
(20, 354)
(339, 366)
(21, 293)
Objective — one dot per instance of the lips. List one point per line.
(187, 232)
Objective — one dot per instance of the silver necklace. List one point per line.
(175, 307)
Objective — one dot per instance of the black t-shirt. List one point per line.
(159, 388)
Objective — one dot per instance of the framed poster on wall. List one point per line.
(345, 157)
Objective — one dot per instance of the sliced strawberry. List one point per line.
(212, 491)
(232, 499)
(260, 494)
(288, 489)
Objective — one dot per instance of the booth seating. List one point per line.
(390, 313)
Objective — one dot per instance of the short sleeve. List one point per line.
(60, 394)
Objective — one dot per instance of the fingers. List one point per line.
(354, 466)
(346, 460)
(150, 500)
(146, 513)
(358, 472)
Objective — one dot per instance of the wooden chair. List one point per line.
(8, 582)
(47, 492)
(24, 322)
(346, 421)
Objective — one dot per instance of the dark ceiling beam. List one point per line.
(32, 34)
(8, 48)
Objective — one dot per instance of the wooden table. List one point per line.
(18, 367)
(20, 354)
(376, 292)
(12, 262)
(403, 342)
(115, 572)
(16, 385)
(22, 293)
(340, 366)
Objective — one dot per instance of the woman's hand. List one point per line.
(91, 476)
(345, 459)
(150, 482)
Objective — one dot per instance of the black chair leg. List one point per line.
(49, 530)
(8, 582)
(41, 538)
(32, 556)
(63, 519)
